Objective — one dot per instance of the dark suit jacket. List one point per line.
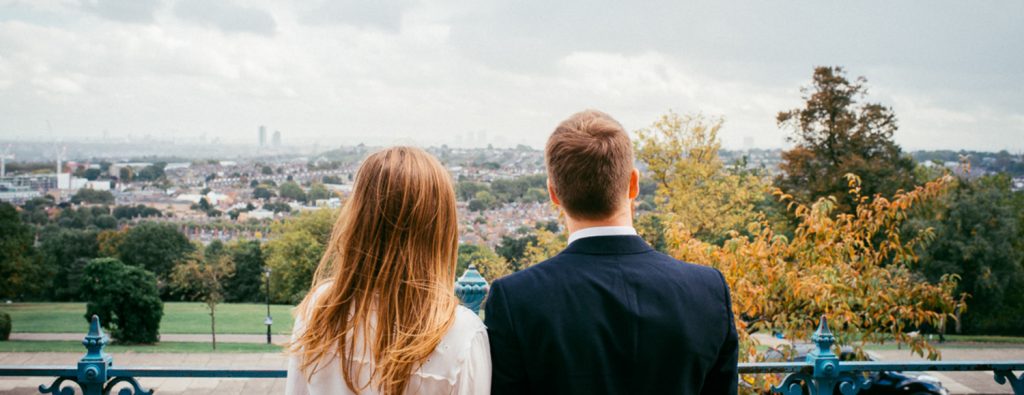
(610, 315)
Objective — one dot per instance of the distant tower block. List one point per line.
(263, 135)
(277, 138)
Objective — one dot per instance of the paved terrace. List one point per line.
(957, 382)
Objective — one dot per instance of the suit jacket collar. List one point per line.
(608, 245)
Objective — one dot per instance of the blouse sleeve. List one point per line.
(475, 373)
(296, 382)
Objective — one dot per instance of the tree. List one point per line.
(696, 193)
(835, 134)
(154, 172)
(21, 272)
(483, 200)
(977, 237)
(92, 174)
(491, 265)
(318, 191)
(261, 192)
(86, 195)
(296, 250)
(155, 246)
(467, 190)
(293, 191)
(513, 249)
(245, 284)
(125, 298)
(66, 252)
(201, 278)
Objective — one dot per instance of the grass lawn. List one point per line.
(167, 347)
(179, 317)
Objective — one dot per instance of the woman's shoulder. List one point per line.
(455, 347)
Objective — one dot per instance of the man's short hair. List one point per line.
(589, 160)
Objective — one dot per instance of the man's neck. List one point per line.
(622, 218)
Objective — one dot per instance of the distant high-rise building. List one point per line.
(263, 135)
(277, 138)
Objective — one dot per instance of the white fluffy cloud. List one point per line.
(448, 72)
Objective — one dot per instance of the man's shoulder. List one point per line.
(561, 267)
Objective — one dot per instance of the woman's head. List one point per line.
(391, 257)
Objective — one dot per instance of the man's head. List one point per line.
(590, 166)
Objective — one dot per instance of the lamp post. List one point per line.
(268, 321)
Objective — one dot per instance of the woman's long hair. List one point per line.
(390, 260)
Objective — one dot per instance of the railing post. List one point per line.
(92, 368)
(471, 288)
(825, 376)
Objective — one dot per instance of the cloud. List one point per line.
(382, 14)
(130, 11)
(226, 16)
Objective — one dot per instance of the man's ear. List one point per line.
(634, 184)
(551, 194)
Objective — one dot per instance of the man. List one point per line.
(609, 314)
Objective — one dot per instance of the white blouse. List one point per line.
(461, 364)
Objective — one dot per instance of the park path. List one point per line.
(168, 337)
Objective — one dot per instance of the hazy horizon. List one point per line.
(468, 74)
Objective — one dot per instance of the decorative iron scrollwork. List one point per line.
(1016, 382)
(135, 388)
(56, 388)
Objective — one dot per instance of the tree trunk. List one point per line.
(213, 327)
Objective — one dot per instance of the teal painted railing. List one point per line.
(822, 373)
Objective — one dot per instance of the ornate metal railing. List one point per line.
(821, 373)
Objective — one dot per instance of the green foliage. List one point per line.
(467, 190)
(978, 237)
(154, 172)
(139, 211)
(513, 249)
(5, 326)
(836, 135)
(318, 191)
(86, 195)
(695, 192)
(92, 174)
(201, 277)
(483, 200)
(246, 283)
(20, 269)
(296, 250)
(155, 246)
(490, 265)
(66, 252)
(291, 190)
(125, 298)
(262, 192)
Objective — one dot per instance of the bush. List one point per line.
(5, 326)
(125, 298)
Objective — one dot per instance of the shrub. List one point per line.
(5, 326)
(125, 298)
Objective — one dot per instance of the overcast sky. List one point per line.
(505, 72)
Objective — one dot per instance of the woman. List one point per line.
(383, 317)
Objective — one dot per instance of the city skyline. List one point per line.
(432, 73)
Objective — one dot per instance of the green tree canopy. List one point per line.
(296, 250)
(125, 298)
(155, 246)
(836, 133)
(21, 274)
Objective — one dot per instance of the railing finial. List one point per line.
(824, 339)
(471, 288)
(95, 341)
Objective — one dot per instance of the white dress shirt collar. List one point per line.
(602, 231)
